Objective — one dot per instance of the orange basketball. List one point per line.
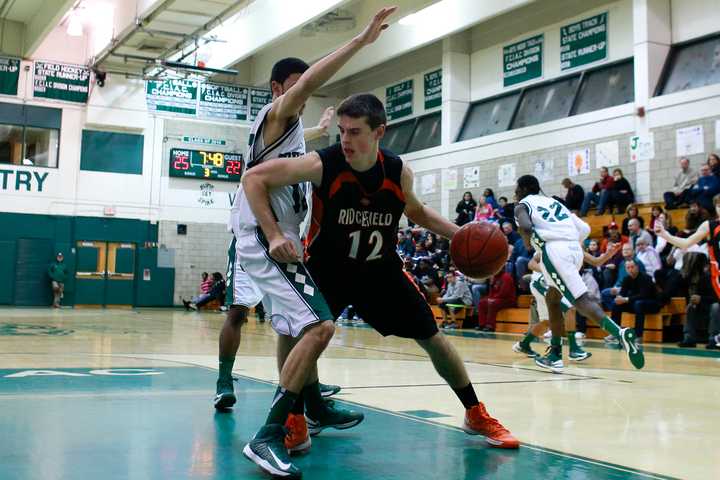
(479, 250)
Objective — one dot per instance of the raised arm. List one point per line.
(701, 233)
(604, 258)
(257, 183)
(291, 102)
(421, 214)
(321, 129)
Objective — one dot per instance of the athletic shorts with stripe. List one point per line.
(240, 289)
(291, 297)
(560, 264)
(539, 288)
(383, 296)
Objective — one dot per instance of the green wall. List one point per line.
(63, 233)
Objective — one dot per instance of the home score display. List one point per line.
(188, 163)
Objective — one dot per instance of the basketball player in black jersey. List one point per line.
(360, 193)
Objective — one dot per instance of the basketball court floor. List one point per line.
(127, 394)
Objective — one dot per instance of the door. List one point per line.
(32, 283)
(105, 273)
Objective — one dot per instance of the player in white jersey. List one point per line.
(298, 310)
(556, 233)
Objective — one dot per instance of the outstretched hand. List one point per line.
(326, 118)
(376, 26)
(659, 228)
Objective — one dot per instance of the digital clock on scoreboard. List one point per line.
(188, 163)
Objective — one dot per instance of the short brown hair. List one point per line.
(364, 105)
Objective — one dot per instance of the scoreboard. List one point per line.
(203, 164)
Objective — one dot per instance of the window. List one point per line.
(397, 136)
(427, 133)
(111, 152)
(546, 102)
(490, 116)
(606, 87)
(602, 87)
(692, 65)
(29, 135)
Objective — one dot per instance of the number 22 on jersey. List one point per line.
(375, 240)
(557, 216)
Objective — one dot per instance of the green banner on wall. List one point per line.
(223, 101)
(399, 100)
(173, 96)
(9, 75)
(258, 99)
(523, 61)
(433, 89)
(60, 81)
(583, 42)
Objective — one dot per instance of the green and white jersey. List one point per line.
(552, 221)
(289, 203)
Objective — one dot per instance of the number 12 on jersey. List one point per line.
(376, 240)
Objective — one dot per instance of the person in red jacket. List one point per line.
(502, 295)
(605, 184)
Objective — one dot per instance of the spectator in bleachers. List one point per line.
(694, 217)
(593, 249)
(465, 209)
(574, 196)
(613, 236)
(456, 293)
(619, 196)
(510, 233)
(490, 198)
(431, 290)
(424, 268)
(441, 256)
(630, 213)
(615, 274)
(655, 212)
(637, 295)
(684, 180)
(420, 251)
(505, 211)
(593, 198)
(661, 245)
(700, 297)
(502, 295)
(518, 263)
(636, 232)
(713, 162)
(405, 245)
(648, 256)
(484, 211)
(217, 292)
(707, 186)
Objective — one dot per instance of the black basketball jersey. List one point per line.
(714, 251)
(355, 215)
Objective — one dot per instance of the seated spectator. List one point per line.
(441, 256)
(655, 212)
(420, 251)
(670, 283)
(405, 245)
(505, 211)
(206, 283)
(701, 297)
(694, 217)
(518, 264)
(217, 292)
(593, 249)
(593, 198)
(613, 236)
(636, 232)
(619, 196)
(465, 209)
(661, 245)
(630, 213)
(574, 196)
(424, 268)
(510, 233)
(648, 256)
(490, 198)
(456, 293)
(502, 295)
(616, 274)
(637, 295)
(707, 186)
(431, 290)
(713, 162)
(683, 182)
(484, 212)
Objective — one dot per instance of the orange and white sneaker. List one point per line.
(297, 439)
(479, 422)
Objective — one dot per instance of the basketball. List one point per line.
(479, 250)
